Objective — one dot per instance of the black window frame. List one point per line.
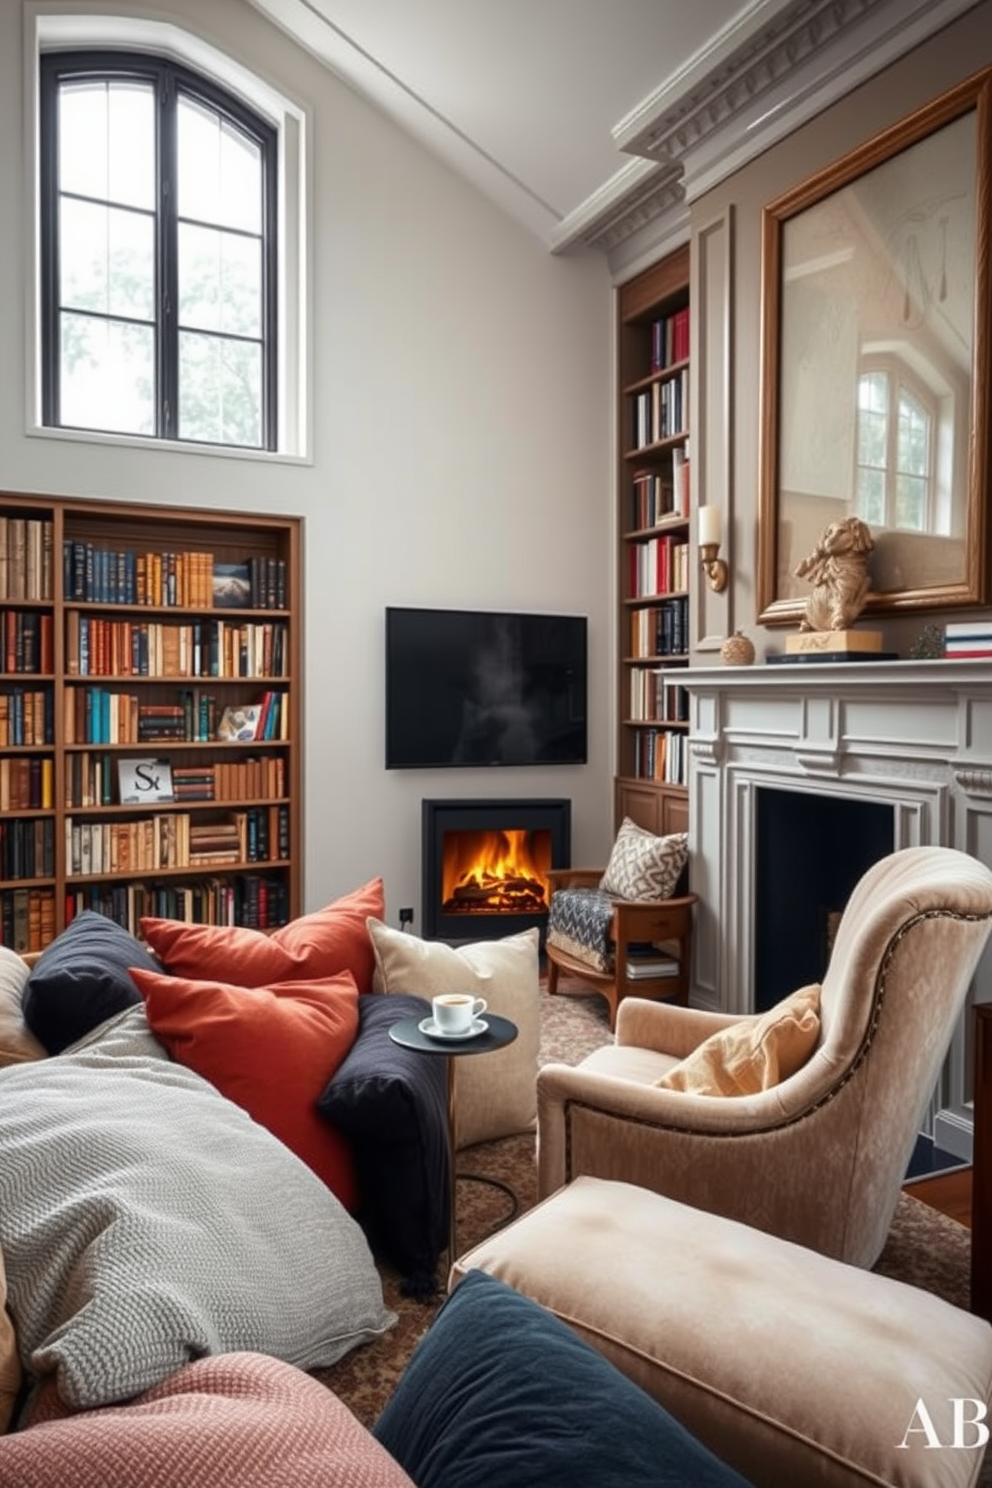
(171, 80)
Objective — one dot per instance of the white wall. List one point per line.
(461, 450)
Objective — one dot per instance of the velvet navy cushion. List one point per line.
(82, 979)
(391, 1103)
(501, 1392)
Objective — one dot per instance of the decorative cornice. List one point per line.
(974, 782)
(754, 85)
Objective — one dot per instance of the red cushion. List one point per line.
(321, 944)
(271, 1050)
(232, 1421)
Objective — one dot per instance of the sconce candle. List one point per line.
(709, 532)
(710, 526)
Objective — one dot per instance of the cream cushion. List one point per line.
(642, 865)
(495, 1094)
(753, 1054)
(794, 1368)
(10, 1364)
(17, 1042)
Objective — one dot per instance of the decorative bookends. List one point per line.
(838, 570)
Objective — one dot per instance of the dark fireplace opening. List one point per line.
(484, 865)
(810, 852)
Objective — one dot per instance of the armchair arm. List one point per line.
(608, 1127)
(665, 1027)
(573, 878)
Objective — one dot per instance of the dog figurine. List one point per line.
(838, 570)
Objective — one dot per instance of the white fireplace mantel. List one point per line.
(916, 735)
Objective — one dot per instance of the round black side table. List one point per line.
(500, 1032)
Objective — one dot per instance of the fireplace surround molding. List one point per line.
(916, 736)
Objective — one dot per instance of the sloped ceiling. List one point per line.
(595, 122)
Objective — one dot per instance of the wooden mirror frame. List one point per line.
(970, 586)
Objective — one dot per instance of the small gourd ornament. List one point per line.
(737, 650)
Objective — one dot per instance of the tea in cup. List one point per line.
(455, 1012)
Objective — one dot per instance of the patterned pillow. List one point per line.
(643, 866)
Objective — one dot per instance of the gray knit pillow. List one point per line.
(643, 866)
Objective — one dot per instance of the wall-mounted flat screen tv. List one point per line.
(473, 687)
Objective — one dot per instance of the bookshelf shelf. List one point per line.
(653, 544)
(127, 630)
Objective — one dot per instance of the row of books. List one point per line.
(964, 638)
(659, 565)
(27, 919)
(27, 784)
(27, 848)
(92, 780)
(99, 715)
(661, 630)
(97, 647)
(258, 778)
(670, 339)
(92, 574)
(656, 498)
(168, 839)
(27, 717)
(99, 575)
(660, 411)
(661, 755)
(26, 567)
(652, 698)
(260, 901)
(28, 641)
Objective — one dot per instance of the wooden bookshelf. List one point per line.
(129, 633)
(653, 545)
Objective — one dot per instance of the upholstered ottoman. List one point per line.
(794, 1368)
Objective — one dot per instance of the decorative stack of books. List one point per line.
(834, 645)
(649, 961)
(967, 638)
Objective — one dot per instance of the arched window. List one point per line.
(895, 474)
(158, 253)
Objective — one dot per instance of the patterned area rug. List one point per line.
(924, 1248)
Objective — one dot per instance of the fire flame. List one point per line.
(490, 872)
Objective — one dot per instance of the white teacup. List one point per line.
(455, 1012)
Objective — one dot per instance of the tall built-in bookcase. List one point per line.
(653, 545)
(150, 716)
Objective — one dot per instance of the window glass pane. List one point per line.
(107, 375)
(220, 390)
(220, 170)
(913, 452)
(220, 281)
(107, 260)
(871, 496)
(911, 502)
(107, 141)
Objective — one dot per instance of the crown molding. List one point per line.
(758, 81)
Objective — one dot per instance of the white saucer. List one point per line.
(428, 1026)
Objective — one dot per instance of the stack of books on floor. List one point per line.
(966, 638)
(833, 645)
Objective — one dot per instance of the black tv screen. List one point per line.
(472, 687)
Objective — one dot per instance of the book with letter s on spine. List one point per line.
(144, 781)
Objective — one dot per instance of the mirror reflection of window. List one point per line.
(894, 484)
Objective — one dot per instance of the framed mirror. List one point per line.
(875, 362)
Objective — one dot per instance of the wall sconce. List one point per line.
(708, 536)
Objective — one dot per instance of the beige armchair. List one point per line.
(819, 1158)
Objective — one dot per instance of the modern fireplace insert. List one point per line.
(484, 864)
